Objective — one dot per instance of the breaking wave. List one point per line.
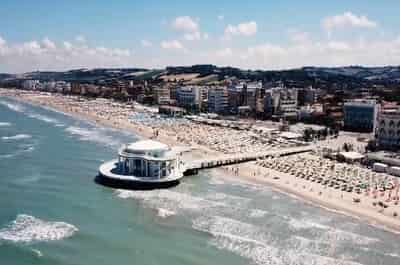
(5, 124)
(12, 106)
(250, 242)
(26, 228)
(93, 135)
(164, 213)
(257, 213)
(44, 118)
(24, 148)
(16, 137)
(170, 200)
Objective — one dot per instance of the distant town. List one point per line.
(364, 101)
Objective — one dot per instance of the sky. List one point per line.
(254, 34)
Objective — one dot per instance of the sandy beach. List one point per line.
(377, 204)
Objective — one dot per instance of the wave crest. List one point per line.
(13, 106)
(26, 228)
(5, 124)
(16, 137)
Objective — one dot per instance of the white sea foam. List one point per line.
(170, 200)
(5, 124)
(338, 235)
(25, 148)
(37, 252)
(94, 135)
(16, 137)
(249, 241)
(12, 106)
(394, 255)
(44, 118)
(164, 213)
(257, 213)
(232, 200)
(275, 197)
(329, 234)
(300, 224)
(8, 156)
(26, 228)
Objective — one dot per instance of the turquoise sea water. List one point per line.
(52, 212)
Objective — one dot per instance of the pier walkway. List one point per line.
(193, 167)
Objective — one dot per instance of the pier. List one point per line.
(193, 167)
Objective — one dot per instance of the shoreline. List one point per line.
(286, 184)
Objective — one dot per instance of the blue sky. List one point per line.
(55, 35)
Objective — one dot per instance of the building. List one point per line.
(62, 87)
(162, 95)
(31, 84)
(360, 115)
(171, 111)
(268, 104)
(147, 164)
(251, 94)
(387, 131)
(189, 97)
(234, 98)
(260, 102)
(244, 94)
(308, 96)
(218, 100)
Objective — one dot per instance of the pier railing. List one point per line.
(194, 166)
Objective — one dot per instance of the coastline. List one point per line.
(304, 190)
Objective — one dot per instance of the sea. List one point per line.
(52, 212)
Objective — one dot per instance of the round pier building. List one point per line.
(142, 165)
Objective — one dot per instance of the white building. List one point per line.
(189, 97)
(62, 87)
(218, 100)
(162, 95)
(31, 84)
(388, 129)
(145, 162)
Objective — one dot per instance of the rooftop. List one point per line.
(146, 145)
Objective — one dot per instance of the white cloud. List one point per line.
(46, 55)
(296, 36)
(146, 43)
(347, 19)
(266, 50)
(329, 53)
(225, 52)
(189, 27)
(42, 55)
(338, 46)
(48, 44)
(245, 29)
(185, 24)
(2, 41)
(67, 45)
(80, 38)
(31, 47)
(172, 44)
(192, 36)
